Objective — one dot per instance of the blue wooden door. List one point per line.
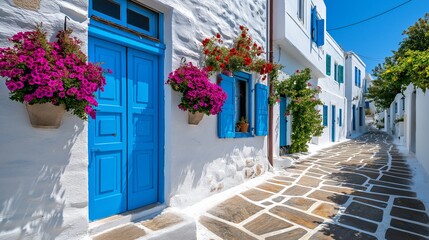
(124, 137)
(283, 122)
(143, 130)
(333, 123)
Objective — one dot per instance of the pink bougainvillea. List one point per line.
(38, 71)
(199, 94)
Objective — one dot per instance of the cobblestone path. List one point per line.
(361, 189)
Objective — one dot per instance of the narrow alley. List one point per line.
(360, 189)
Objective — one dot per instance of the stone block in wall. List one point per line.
(28, 4)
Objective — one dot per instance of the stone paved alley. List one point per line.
(360, 189)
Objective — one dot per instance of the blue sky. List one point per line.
(375, 39)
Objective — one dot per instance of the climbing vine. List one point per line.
(306, 119)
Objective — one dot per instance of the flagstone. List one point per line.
(296, 191)
(256, 195)
(296, 216)
(393, 234)
(392, 191)
(294, 234)
(299, 202)
(309, 181)
(358, 223)
(326, 210)
(162, 221)
(329, 197)
(370, 202)
(409, 203)
(265, 224)
(235, 209)
(365, 211)
(127, 232)
(334, 232)
(270, 187)
(411, 227)
(223, 230)
(412, 215)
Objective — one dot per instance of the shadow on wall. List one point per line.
(32, 163)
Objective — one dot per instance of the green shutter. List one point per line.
(340, 73)
(328, 64)
(325, 115)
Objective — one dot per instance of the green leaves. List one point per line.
(306, 119)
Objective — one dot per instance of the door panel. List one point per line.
(143, 129)
(107, 141)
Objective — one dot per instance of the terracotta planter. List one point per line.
(195, 118)
(244, 127)
(45, 115)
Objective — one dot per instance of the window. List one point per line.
(340, 116)
(128, 16)
(403, 103)
(301, 10)
(239, 104)
(328, 65)
(336, 71)
(396, 107)
(317, 28)
(357, 77)
(366, 104)
(325, 115)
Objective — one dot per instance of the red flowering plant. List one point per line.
(199, 94)
(245, 54)
(39, 71)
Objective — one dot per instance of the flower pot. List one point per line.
(45, 115)
(195, 118)
(244, 127)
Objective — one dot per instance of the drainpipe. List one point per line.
(270, 109)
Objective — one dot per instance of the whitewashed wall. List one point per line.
(200, 164)
(354, 94)
(422, 130)
(43, 190)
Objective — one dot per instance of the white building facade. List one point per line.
(52, 180)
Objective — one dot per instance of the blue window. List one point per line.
(238, 106)
(340, 116)
(128, 16)
(396, 107)
(357, 77)
(325, 115)
(403, 103)
(317, 28)
(366, 104)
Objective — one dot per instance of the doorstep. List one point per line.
(170, 224)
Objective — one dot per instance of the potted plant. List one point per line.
(243, 55)
(243, 125)
(199, 95)
(50, 77)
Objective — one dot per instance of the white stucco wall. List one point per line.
(43, 190)
(354, 94)
(422, 131)
(200, 163)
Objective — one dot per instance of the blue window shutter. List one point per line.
(359, 79)
(340, 73)
(261, 109)
(328, 64)
(325, 115)
(341, 117)
(355, 76)
(226, 118)
(320, 32)
(313, 29)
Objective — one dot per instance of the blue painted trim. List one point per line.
(244, 135)
(333, 121)
(242, 76)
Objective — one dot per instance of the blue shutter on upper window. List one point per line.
(320, 32)
(313, 29)
(341, 117)
(261, 109)
(325, 115)
(328, 64)
(226, 118)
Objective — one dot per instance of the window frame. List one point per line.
(246, 77)
(325, 116)
(301, 12)
(336, 71)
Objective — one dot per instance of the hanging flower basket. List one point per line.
(45, 115)
(195, 118)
